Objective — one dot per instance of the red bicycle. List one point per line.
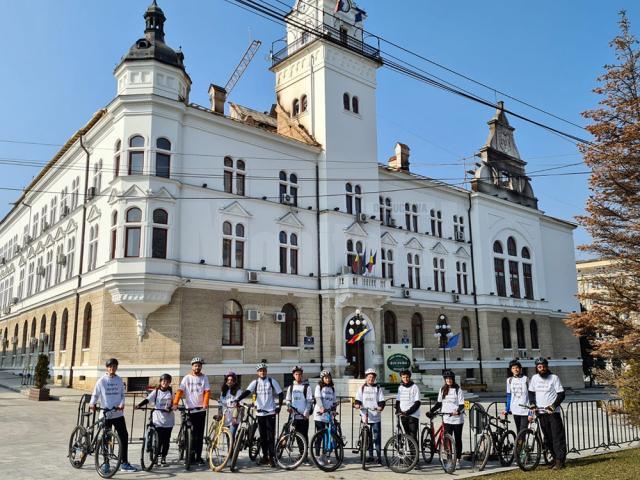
(432, 440)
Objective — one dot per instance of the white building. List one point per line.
(163, 229)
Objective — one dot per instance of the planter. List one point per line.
(38, 394)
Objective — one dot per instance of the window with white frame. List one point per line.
(60, 261)
(64, 202)
(436, 223)
(288, 253)
(136, 155)
(498, 268)
(163, 158)
(93, 247)
(160, 233)
(353, 249)
(39, 273)
(25, 235)
(21, 283)
(116, 158)
(30, 278)
(48, 268)
(97, 176)
(387, 264)
(385, 211)
(233, 238)
(439, 275)
(53, 212)
(527, 273)
(288, 189)
(34, 225)
(413, 270)
(461, 277)
(458, 228)
(411, 217)
(514, 268)
(353, 198)
(235, 172)
(114, 235)
(349, 197)
(71, 248)
(16, 245)
(132, 232)
(75, 188)
(44, 218)
(295, 107)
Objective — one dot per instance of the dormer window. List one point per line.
(346, 101)
(304, 103)
(295, 109)
(355, 103)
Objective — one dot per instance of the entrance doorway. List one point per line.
(355, 352)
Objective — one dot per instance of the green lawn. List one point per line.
(615, 465)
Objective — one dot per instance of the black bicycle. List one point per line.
(327, 445)
(245, 435)
(365, 438)
(150, 441)
(530, 445)
(96, 439)
(401, 450)
(291, 446)
(495, 437)
(185, 437)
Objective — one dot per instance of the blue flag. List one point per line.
(453, 341)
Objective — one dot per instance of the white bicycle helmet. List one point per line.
(325, 373)
(371, 370)
(197, 360)
(260, 366)
(297, 368)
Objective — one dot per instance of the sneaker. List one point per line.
(163, 462)
(458, 464)
(369, 459)
(379, 461)
(558, 465)
(200, 461)
(263, 461)
(128, 468)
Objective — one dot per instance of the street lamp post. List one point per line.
(443, 332)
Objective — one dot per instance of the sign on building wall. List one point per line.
(309, 343)
(397, 357)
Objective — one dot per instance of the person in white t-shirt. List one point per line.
(195, 391)
(299, 396)
(546, 393)
(266, 389)
(517, 395)
(109, 393)
(229, 394)
(370, 396)
(163, 417)
(451, 402)
(408, 404)
(326, 402)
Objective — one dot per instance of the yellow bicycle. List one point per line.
(220, 443)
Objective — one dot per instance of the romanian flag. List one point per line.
(355, 265)
(358, 336)
(372, 261)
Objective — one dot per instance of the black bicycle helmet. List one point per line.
(165, 376)
(514, 363)
(541, 361)
(406, 371)
(112, 362)
(448, 374)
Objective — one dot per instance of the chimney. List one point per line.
(218, 97)
(401, 159)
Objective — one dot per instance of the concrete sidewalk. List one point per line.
(13, 382)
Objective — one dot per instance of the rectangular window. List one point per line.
(417, 272)
(407, 221)
(114, 234)
(159, 243)
(349, 199)
(358, 201)
(136, 163)
(415, 223)
(116, 170)
(283, 259)
(501, 286)
(231, 330)
(528, 281)
(162, 165)
(226, 252)
(239, 254)
(514, 278)
(228, 180)
(294, 261)
(410, 276)
(132, 242)
(239, 184)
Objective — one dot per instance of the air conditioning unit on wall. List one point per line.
(252, 277)
(362, 218)
(280, 317)
(253, 315)
(406, 293)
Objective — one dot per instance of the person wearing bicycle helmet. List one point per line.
(371, 397)
(109, 393)
(266, 389)
(325, 402)
(451, 403)
(299, 397)
(195, 390)
(408, 404)
(517, 395)
(546, 394)
(230, 391)
(163, 417)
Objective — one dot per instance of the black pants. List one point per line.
(198, 420)
(521, 421)
(120, 426)
(164, 439)
(554, 439)
(267, 429)
(411, 425)
(456, 431)
(302, 426)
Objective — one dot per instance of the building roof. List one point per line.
(248, 115)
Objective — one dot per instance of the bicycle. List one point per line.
(291, 446)
(98, 439)
(329, 442)
(184, 439)
(502, 441)
(150, 442)
(401, 450)
(530, 446)
(219, 444)
(430, 440)
(246, 430)
(365, 438)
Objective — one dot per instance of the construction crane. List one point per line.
(242, 66)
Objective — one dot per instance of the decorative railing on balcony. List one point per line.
(362, 282)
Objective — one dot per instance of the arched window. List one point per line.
(351, 253)
(520, 334)
(160, 233)
(289, 329)
(465, 327)
(71, 247)
(304, 103)
(390, 327)
(93, 247)
(533, 330)
(436, 222)
(288, 188)
(136, 155)
(439, 275)
(43, 330)
(461, 277)
(25, 332)
(413, 270)
(52, 331)
(132, 232)
(458, 228)
(355, 104)
(97, 177)
(387, 264)
(349, 197)
(358, 199)
(295, 108)
(416, 331)
(288, 253)
(511, 247)
(232, 323)
(525, 253)
(497, 247)
(114, 234)
(163, 158)
(63, 329)
(498, 268)
(86, 327)
(506, 333)
(346, 101)
(228, 174)
(527, 274)
(233, 245)
(116, 160)
(33, 338)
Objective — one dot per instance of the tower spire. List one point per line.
(154, 23)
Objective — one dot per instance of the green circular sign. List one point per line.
(398, 362)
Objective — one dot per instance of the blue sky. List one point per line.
(58, 59)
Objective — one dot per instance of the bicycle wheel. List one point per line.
(327, 451)
(528, 450)
(188, 448)
(237, 446)
(291, 450)
(401, 453)
(447, 453)
(364, 447)
(220, 450)
(108, 454)
(180, 443)
(78, 447)
(150, 449)
(507, 448)
(482, 452)
(427, 445)
(252, 441)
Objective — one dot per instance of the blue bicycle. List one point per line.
(327, 447)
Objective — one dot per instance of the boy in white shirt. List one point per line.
(517, 395)
(371, 397)
(408, 404)
(163, 418)
(109, 393)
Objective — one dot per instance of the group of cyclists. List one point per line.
(543, 393)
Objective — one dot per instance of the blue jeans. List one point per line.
(376, 430)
